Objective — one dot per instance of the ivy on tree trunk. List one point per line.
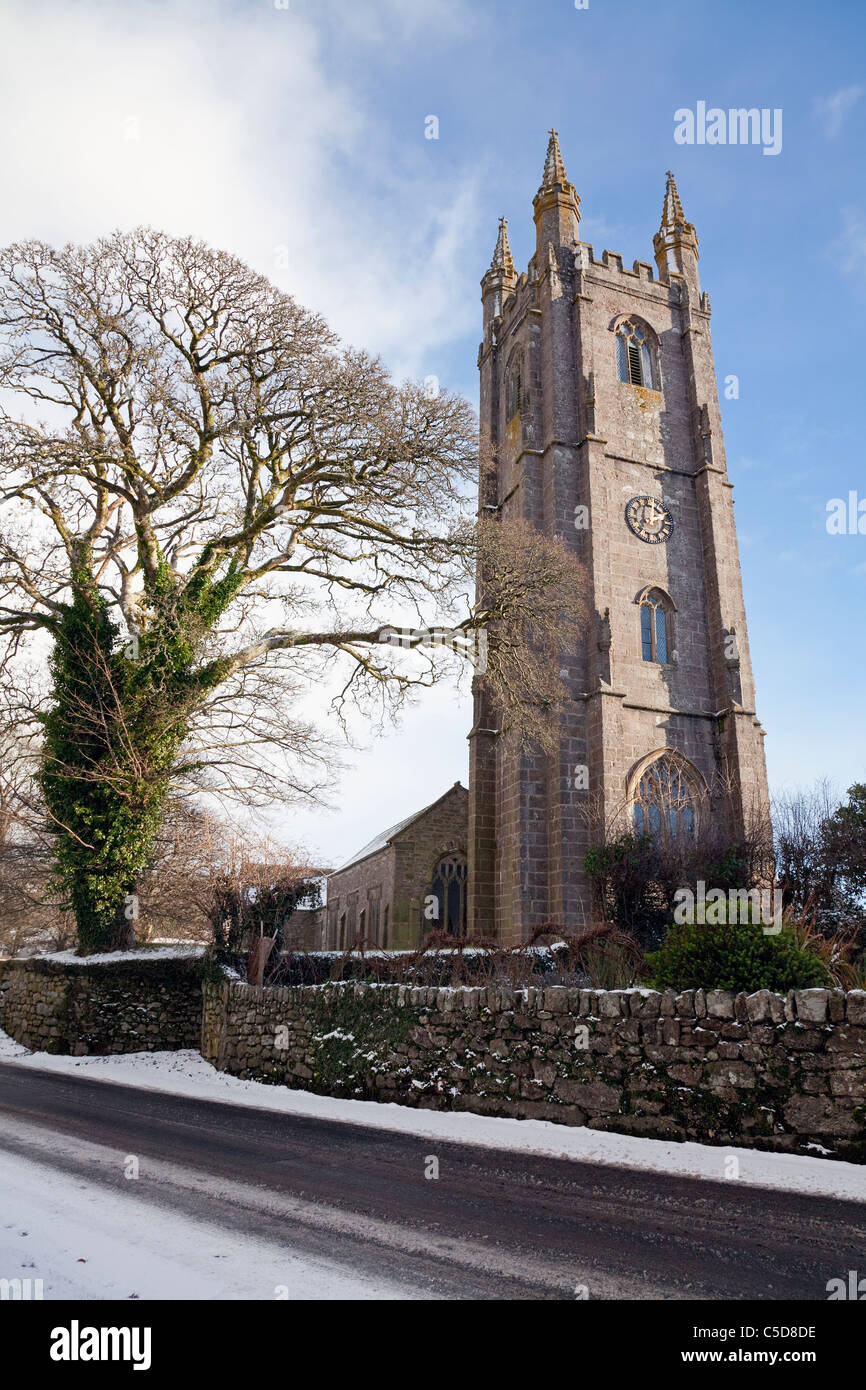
(117, 720)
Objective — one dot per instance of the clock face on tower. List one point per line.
(649, 520)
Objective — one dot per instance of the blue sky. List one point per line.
(296, 139)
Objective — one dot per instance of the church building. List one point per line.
(600, 408)
(406, 881)
(599, 404)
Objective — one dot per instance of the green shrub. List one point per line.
(734, 957)
(636, 877)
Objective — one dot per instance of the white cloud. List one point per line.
(393, 776)
(232, 125)
(833, 109)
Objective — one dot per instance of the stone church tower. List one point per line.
(599, 404)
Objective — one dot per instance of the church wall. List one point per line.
(398, 877)
(653, 426)
(350, 891)
(650, 449)
(676, 569)
(417, 850)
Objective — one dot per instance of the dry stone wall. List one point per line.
(761, 1070)
(125, 1006)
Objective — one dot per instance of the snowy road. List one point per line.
(240, 1202)
(85, 1241)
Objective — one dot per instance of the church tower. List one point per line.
(599, 405)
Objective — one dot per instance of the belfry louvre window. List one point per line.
(654, 627)
(635, 355)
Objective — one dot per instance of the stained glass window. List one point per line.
(654, 627)
(646, 631)
(449, 889)
(664, 802)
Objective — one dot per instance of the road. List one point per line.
(493, 1225)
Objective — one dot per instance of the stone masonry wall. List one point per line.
(759, 1070)
(417, 849)
(128, 1006)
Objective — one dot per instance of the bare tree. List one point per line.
(209, 505)
(532, 600)
(209, 880)
(798, 818)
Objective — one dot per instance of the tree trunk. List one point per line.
(98, 930)
(123, 929)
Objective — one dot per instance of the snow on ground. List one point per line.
(188, 1074)
(85, 1242)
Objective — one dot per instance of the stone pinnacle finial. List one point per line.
(502, 257)
(556, 202)
(676, 238)
(672, 211)
(554, 168)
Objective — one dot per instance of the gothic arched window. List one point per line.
(665, 798)
(656, 625)
(635, 355)
(449, 889)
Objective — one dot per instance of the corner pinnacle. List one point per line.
(554, 167)
(672, 209)
(502, 257)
